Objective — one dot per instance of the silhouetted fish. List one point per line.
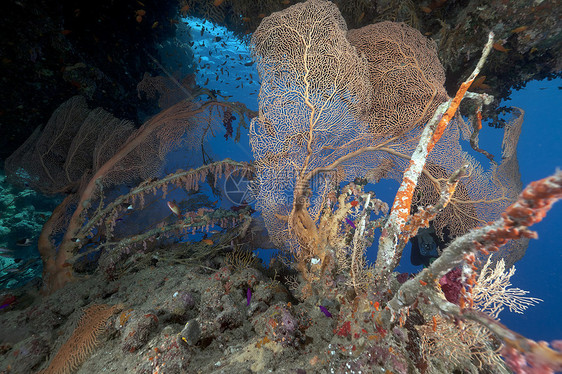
(25, 242)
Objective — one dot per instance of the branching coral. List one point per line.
(88, 153)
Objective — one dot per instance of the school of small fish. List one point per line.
(222, 61)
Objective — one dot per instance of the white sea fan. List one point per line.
(491, 293)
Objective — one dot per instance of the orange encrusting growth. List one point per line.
(403, 199)
(449, 114)
(479, 120)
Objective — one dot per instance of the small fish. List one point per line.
(499, 47)
(25, 242)
(5, 252)
(519, 29)
(174, 208)
(376, 305)
(350, 222)
(477, 82)
(248, 296)
(325, 311)
(249, 63)
(155, 24)
(207, 241)
(354, 203)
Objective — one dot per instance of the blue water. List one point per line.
(540, 154)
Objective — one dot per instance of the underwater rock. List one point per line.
(279, 325)
(166, 355)
(230, 317)
(139, 325)
(28, 354)
(179, 306)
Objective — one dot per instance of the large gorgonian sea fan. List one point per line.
(314, 92)
(336, 105)
(321, 100)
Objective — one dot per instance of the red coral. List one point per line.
(345, 329)
(451, 285)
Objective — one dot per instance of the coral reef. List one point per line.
(143, 273)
